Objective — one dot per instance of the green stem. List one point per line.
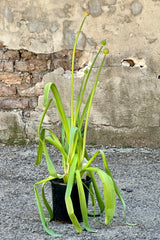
(89, 108)
(72, 75)
(85, 84)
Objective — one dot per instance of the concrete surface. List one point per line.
(135, 170)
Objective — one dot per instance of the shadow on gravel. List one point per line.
(136, 172)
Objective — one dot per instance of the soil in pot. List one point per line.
(58, 198)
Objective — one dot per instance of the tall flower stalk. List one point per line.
(72, 74)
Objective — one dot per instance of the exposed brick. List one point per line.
(1, 66)
(8, 66)
(61, 54)
(66, 65)
(6, 91)
(26, 55)
(26, 78)
(34, 65)
(21, 66)
(11, 55)
(37, 65)
(18, 103)
(11, 79)
(63, 59)
(14, 103)
(44, 56)
(37, 77)
(1, 54)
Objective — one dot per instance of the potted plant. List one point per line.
(75, 161)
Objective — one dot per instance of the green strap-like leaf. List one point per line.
(73, 142)
(46, 202)
(50, 166)
(109, 173)
(115, 187)
(97, 192)
(43, 115)
(108, 192)
(57, 144)
(40, 209)
(40, 147)
(96, 189)
(83, 204)
(68, 200)
(58, 104)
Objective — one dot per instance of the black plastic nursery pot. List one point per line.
(58, 197)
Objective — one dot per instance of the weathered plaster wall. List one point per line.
(35, 42)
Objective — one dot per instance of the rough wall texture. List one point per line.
(36, 38)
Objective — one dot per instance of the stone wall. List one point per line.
(36, 38)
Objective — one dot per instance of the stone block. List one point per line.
(26, 78)
(44, 56)
(21, 66)
(27, 55)
(37, 90)
(95, 8)
(11, 79)
(14, 103)
(8, 66)
(6, 91)
(12, 128)
(11, 55)
(37, 65)
(136, 7)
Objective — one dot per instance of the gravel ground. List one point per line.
(135, 170)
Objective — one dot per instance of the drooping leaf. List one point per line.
(97, 192)
(58, 103)
(108, 193)
(115, 187)
(50, 166)
(46, 202)
(83, 204)
(68, 200)
(41, 212)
